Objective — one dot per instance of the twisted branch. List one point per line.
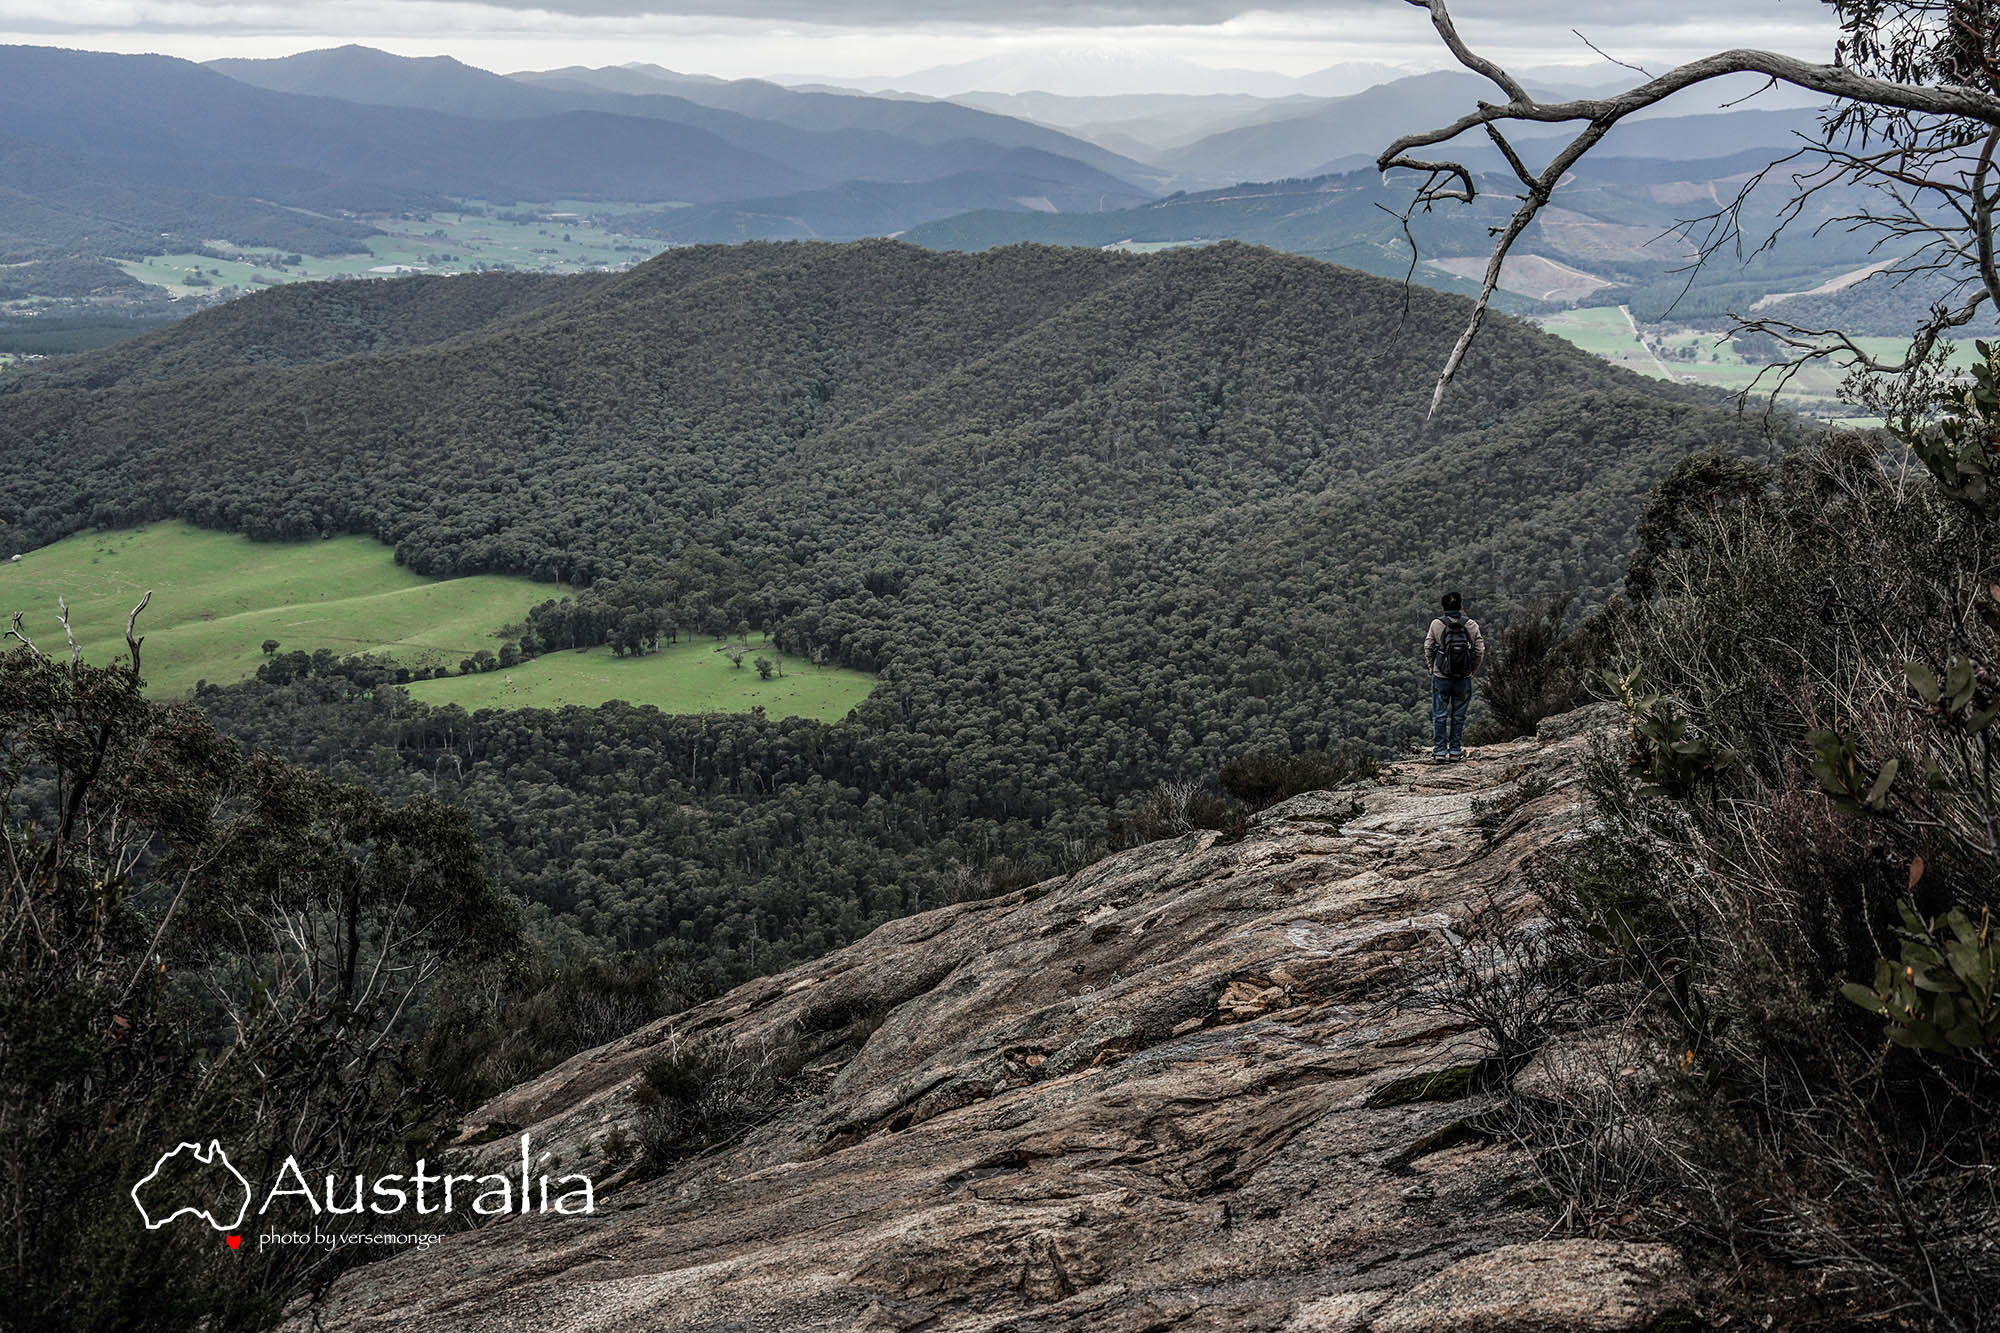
(1451, 180)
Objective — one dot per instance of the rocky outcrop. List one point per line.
(1194, 1085)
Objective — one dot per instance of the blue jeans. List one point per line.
(1448, 703)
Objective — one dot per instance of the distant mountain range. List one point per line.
(823, 135)
(125, 156)
(161, 122)
(130, 155)
(1609, 239)
(1099, 71)
(1346, 134)
(879, 208)
(58, 204)
(1142, 125)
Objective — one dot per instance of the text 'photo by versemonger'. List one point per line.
(1323, 665)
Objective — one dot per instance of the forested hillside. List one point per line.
(1614, 231)
(1097, 520)
(302, 323)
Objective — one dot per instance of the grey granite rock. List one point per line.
(1171, 1089)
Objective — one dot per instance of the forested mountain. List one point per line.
(1042, 186)
(57, 204)
(113, 155)
(1095, 519)
(832, 137)
(1346, 133)
(1613, 227)
(306, 322)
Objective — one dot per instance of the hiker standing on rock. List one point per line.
(1453, 650)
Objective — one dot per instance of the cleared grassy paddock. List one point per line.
(217, 597)
(443, 242)
(686, 677)
(1714, 360)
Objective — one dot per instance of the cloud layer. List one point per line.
(888, 36)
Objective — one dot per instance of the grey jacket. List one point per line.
(1434, 644)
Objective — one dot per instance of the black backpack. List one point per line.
(1455, 656)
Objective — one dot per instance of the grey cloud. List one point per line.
(1522, 19)
(1052, 13)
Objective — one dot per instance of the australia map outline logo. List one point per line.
(215, 1182)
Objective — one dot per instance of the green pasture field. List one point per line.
(444, 242)
(1815, 390)
(1600, 330)
(217, 597)
(693, 676)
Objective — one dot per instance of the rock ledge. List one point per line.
(1180, 1088)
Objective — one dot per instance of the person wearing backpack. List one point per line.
(1453, 650)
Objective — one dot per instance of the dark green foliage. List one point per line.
(1942, 994)
(1791, 878)
(1267, 777)
(56, 204)
(1886, 306)
(1538, 664)
(1669, 757)
(68, 277)
(556, 994)
(1958, 449)
(304, 323)
(1097, 520)
(1245, 785)
(1682, 507)
(199, 943)
(704, 1091)
(59, 334)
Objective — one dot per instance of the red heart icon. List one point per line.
(234, 1241)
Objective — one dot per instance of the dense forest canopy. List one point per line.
(1097, 520)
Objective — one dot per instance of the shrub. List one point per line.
(198, 940)
(1264, 778)
(704, 1091)
(1538, 665)
(558, 993)
(1790, 875)
(1246, 784)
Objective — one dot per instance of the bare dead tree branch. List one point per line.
(1939, 200)
(1636, 69)
(21, 635)
(132, 638)
(62, 615)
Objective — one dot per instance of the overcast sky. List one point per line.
(853, 38)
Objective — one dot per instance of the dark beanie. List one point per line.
(1452, 601)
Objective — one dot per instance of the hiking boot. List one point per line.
(1456, 758)
(1440, 759)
